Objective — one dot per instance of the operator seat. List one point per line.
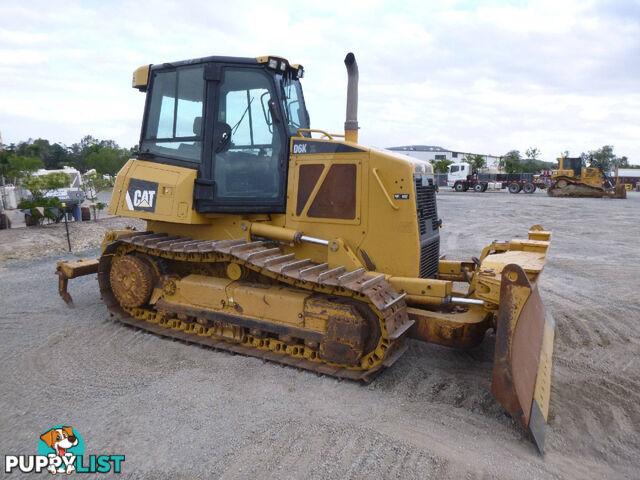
(193, 151)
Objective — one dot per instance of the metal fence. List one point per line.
(440, 179)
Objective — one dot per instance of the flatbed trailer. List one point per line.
(461, 178)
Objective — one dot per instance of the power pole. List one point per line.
(3, 197)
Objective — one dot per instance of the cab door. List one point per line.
(245, 164)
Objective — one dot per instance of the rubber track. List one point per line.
(271, 262)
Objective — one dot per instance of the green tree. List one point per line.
(21, 166)
(53, 156)
(531, 164)
(534, 166)
(623, 162)
(92, 184)
(57, 157)
(532, 153)
(40, 207)
(511, 161)
(4, 161)
(33, 148)
(79, 152)
(476, 161)
(603, 158)
(41, 184)
(107, 161)
(440, 165)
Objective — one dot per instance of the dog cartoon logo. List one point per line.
(62, 445)
(61, 450)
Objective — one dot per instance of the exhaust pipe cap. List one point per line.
(349, 59)
(351, 123)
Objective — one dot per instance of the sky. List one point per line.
(480, 77)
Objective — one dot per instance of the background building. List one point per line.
(432, 152)
(630, 176)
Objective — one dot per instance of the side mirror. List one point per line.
(274, 111)
(270, 112)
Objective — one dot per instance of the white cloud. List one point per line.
(486, 77)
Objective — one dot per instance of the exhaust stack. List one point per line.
(351, 123)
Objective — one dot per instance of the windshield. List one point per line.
(293, 104)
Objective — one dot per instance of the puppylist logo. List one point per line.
(61, 450)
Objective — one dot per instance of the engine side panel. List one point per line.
(155, 191)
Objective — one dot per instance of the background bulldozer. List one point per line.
(314, 252)
(572, 179)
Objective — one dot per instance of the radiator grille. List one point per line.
(429, 258)
(428, 226)
(426, 204)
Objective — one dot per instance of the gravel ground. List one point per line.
(29, 242)
(180, 411)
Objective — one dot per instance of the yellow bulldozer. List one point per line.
(268, 238)
(573, 179)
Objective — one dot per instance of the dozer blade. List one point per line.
(523, 353)
(619, 191)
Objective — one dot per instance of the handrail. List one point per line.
(384, 190)
(325, 134)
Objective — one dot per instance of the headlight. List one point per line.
(273, 63)
(300, 72)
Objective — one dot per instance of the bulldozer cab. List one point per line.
(574, 164)
(231, 119)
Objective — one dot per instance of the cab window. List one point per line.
(174, 119)
(294, 107)
(248, 144)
